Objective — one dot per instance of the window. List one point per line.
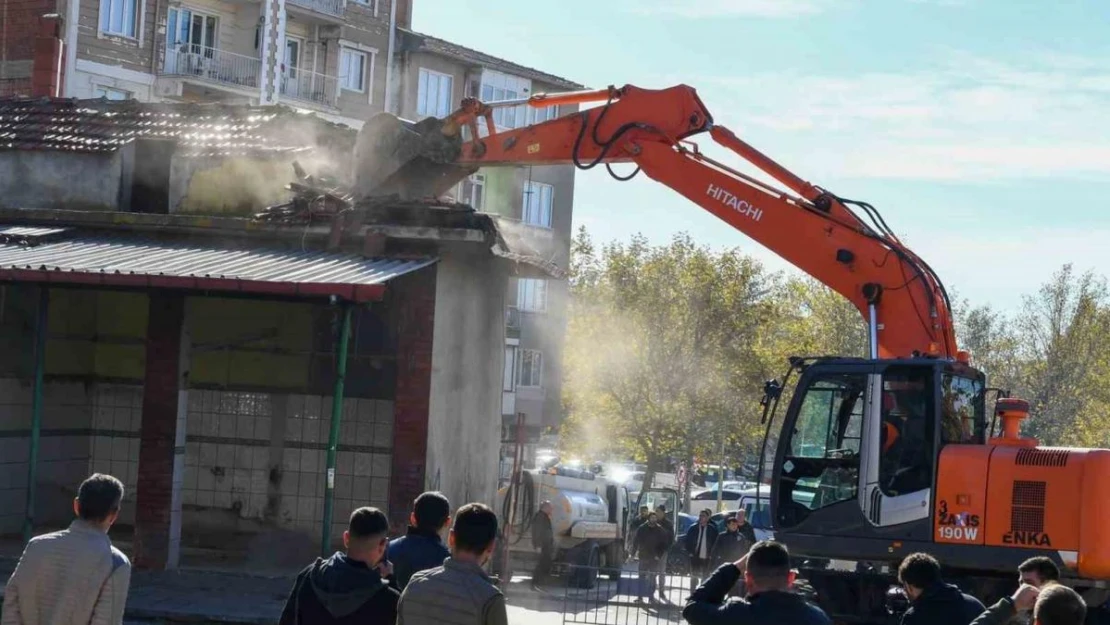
(537, 204)
(905, 463)
(472, 191)
(352, 70)
(530, 368)
(434, 94)
(499, 86)
(292, 56)
(372, 4)
(711, 495)
(110, 93)
(505, 116)
(531, 294)
(510, 366)
(963, 417)
(119, 17)
(537, 115)
(821, 467)
(190, 33)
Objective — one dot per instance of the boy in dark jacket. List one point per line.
(931, 600)
(421, 548)
(768, 577)
(347, 588)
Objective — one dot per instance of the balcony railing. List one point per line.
(310, 87)
(212, 64)
(327, 7)
(512, 322)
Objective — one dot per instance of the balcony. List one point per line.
(333, 8)
(311, 87)
(212, 65)
(512, 322)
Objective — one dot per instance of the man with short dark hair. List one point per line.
(347, 588)
(421, 548)
(768, 578)
(75, 575)
(1037, 571)
(459, 591)
(699, 542)
(931, 600)
(1052, 604)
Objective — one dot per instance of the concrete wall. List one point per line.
(464, 421)
(60, 180)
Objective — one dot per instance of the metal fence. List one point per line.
(601, 596)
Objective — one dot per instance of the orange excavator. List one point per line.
(874, 458)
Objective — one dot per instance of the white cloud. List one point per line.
(695, 9)
(968, 118)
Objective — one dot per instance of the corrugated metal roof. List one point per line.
(199, 129)
(139, 262)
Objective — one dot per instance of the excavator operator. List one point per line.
(904, 465)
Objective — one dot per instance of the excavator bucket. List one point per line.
(410, 160)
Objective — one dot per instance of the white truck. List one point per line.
(591, 516)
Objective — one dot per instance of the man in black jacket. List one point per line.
(651, 544)
(744, 527)
(770, 601)
(931, 600)
(543, 538)
(421, 548)
(347, 588)
(699, 541)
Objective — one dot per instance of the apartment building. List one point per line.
(436, 75)
(324, 56)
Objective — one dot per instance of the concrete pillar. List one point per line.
(162, 435)
(46, 69)
(413, 304)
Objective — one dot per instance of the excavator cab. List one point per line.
(856, 456)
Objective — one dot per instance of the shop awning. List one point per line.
(67, 257)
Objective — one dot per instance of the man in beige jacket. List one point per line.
(74, 576)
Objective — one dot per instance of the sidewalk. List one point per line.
(205, 596)
(199, 596)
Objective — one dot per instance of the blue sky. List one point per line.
(980, 128)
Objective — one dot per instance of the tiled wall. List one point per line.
(69, 450)
(263, 457)
(116, 414)
(251, 456)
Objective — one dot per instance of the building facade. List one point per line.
(435, 75)
(343, 60)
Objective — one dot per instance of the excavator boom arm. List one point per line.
(811, 228)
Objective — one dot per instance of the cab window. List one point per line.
(962, 410)
(906, 436)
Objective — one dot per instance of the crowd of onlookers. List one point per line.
(76, 576)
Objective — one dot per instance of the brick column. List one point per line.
(158, 500)
(413, 301)
(46, 69)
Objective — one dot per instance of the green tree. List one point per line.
(662, 348)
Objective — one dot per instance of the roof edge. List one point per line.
(478, 57)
